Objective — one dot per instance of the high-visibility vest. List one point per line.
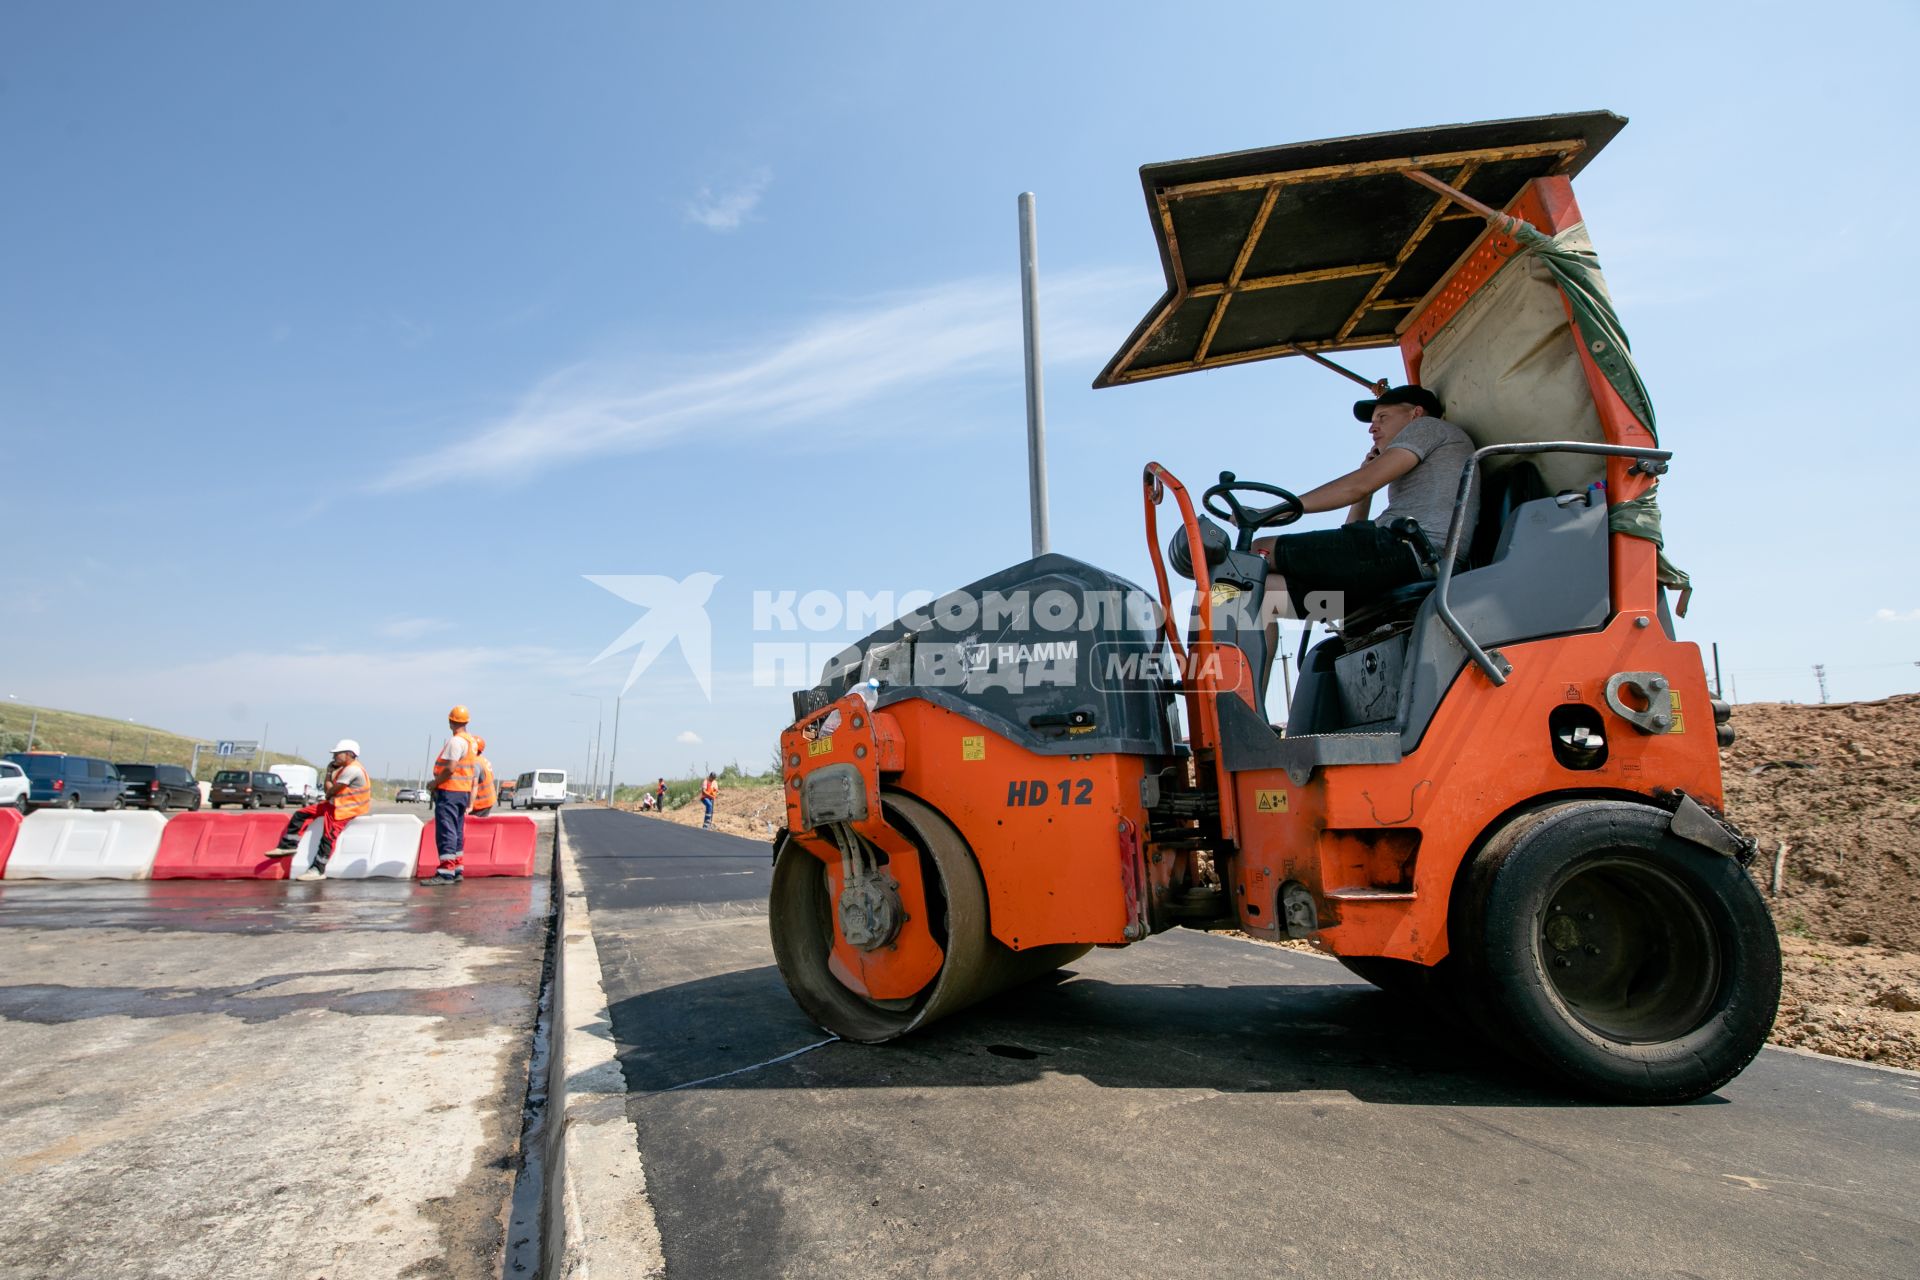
(710, 789)
(456, 775)
(353, 798)
(483, 790)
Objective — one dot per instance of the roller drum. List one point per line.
(977, 965)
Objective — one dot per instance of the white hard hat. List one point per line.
(346, 744)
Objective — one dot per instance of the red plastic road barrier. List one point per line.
(9, 828)
(221, 846)
(503, 846)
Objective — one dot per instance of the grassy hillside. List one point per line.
(117, 740)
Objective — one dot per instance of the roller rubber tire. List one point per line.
(1630, 963)
(977, 964)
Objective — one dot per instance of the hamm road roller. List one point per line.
(1498, 787)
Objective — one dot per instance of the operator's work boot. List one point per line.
(317, 871)
(445, 875)
(289, 839)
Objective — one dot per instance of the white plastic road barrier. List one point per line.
(63, 844)
(374, 844)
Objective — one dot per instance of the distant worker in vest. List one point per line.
(453, 777)
(485, 795)
(346, 794)
(660, 796)
(709, 792)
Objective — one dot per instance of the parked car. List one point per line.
(411, 795)
(13, 786)
(158, 786)
(303, 781)
(68, 782)
(250, 789)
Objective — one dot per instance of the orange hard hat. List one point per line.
(479, 743)
(459, 715)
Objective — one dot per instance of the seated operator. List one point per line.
(1417, 457)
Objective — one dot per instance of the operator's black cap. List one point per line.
(1363, 409)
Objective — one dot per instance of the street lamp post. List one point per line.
(613, 752)
(593, 743)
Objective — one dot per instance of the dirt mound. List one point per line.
(1839, 786)
(752, 811)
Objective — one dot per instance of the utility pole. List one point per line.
(1820, 674)
(1286, 681)
(146, 748)
(1717, 686)
(613, 752)
(1036, 411)
(31, 728)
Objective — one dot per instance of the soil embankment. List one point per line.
(1839, 787)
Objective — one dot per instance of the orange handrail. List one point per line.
(1197, 675)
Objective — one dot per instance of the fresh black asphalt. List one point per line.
(1196, 1104)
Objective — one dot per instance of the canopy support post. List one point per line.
(1502, 222)
(1378, 386)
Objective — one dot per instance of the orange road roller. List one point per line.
(1498, 784)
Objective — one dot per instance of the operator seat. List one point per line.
(1501, 494)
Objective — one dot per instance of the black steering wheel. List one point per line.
(1250, 519)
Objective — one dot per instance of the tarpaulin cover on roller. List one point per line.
(221, 846)
(62, 844)
(503, 846)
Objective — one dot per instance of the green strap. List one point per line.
(1577, 271)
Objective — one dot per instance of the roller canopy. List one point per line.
(1325, 246)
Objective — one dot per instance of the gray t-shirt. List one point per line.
(1427, 492)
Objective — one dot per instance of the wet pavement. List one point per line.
(263, 1078)
(1193, 1104)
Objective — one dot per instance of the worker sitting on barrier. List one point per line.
(485, 794)
(347, 794)
(1417, 457)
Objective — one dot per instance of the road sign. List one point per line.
(237, 748)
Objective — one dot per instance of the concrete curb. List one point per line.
(602, 1222)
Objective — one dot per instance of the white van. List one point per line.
(303, 781)
(541, 789)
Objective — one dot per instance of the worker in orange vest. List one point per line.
(347, 794)
(485, 796)
(709, 792)
(454, 770)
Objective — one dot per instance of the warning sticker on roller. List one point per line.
(973, 748)
(1270, 801)
(820, 746)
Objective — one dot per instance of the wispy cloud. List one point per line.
(688, 738)
(412, 628)
(819, 375)
(725, 210)
(1895, 615)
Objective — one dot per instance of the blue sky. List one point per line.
(338, 343)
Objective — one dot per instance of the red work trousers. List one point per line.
(329, 830)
